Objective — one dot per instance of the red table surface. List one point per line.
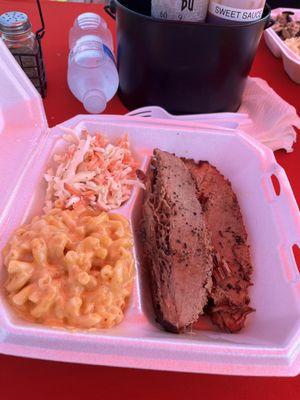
(26, 378)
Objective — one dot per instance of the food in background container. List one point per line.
(286, 26)
(181, 10)
(71, 268)
(294, 45)
(288, 29)
(235, 11)
(195, 245)
(91, 172)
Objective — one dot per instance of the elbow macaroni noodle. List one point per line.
(71, 268)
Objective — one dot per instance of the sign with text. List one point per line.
(181, 10)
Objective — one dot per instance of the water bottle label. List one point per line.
(109, 53)
(235, 14)
(182, 10)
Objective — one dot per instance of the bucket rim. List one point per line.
(267, 11)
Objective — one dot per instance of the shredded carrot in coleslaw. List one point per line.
(91, 172)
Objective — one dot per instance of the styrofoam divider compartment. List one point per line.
(280, 50)
(270, 342)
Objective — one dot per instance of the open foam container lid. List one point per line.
(270, 344)
(23, 124)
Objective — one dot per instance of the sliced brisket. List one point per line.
(177, 243)
(229, 300)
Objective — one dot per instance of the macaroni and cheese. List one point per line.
(71, 268)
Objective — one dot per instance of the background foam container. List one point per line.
(279, 49)
(270, 342)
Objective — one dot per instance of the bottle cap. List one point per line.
(94, 101)
(90, 21)
(14, 23)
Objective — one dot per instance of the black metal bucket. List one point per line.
(184, 67)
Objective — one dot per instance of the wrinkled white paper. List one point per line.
(273, 118)
(181, 10)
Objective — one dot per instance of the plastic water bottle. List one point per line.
(92, 75)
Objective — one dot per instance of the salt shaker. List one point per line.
(23, 43)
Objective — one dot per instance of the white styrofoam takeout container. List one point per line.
(277, 46)
(270, 342)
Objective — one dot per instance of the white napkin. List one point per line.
(273, 118)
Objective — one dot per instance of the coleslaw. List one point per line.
(91, 172)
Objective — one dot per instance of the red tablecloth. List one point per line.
(25, 378)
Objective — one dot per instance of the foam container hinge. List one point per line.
(270, 342)
(279, 49)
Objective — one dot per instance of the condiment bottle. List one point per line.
(17, 34)
(235, 11)
(180, 10)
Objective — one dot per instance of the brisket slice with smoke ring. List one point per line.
(177, 244)
(229, 300)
